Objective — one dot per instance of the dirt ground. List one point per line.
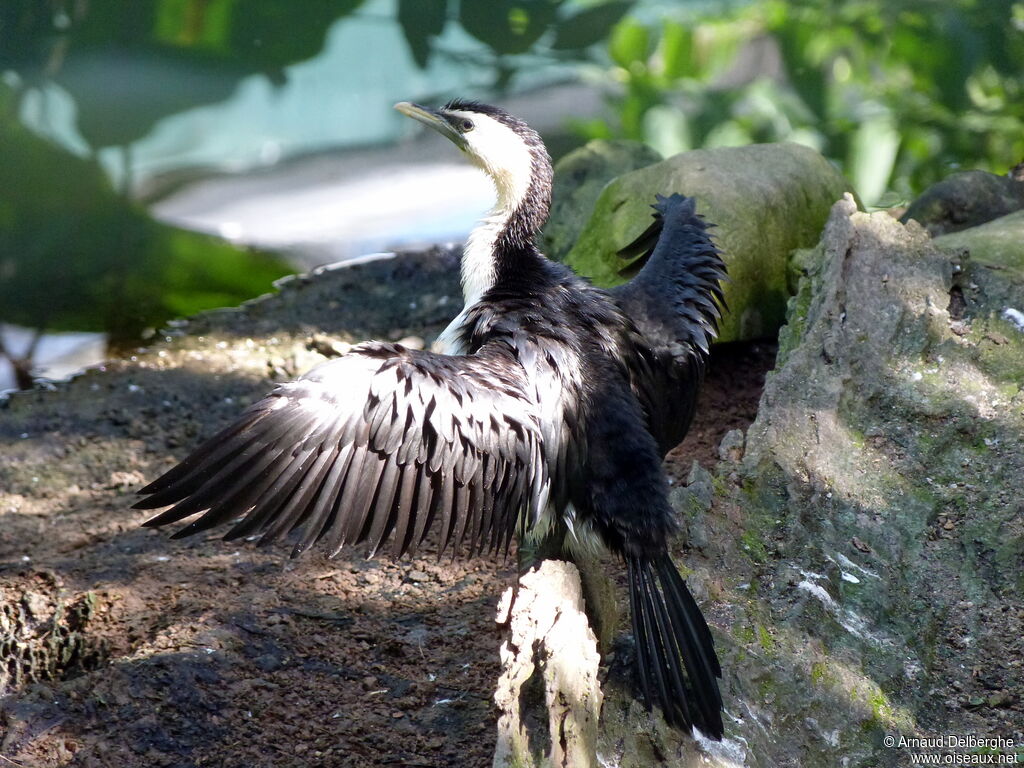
(124, 648)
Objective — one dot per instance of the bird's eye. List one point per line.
(465, 125)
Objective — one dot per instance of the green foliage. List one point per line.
(898, 93)
(421, 22)
(588, 26)
(128, 64)
(75, 255)
(508, 26)
(555, 29)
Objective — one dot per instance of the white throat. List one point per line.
(502, 155)
(478, 269)
(478, 266)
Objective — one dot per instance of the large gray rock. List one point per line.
(766, 200)
(965, 200)
(881, 500)
(999, 242)
(579, 178)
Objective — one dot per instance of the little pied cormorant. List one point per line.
(551, 411)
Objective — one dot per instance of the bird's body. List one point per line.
(550, 412)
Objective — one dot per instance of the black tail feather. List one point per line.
(676, 659)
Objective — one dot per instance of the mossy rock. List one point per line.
(765, 200)
(579, 178)
(881, 478)
(965, 200)
(998, 243)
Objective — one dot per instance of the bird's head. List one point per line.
(505, 147)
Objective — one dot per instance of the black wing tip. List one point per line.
(168, 516)
(152, 487)
(151, 492)
(663, 205)
(674, 209)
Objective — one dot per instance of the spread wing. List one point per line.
(675, 301)
(384, 441)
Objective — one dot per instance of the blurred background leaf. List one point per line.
(148, 59)
(508, 26)
(897, 93)
(422, 21)
(76, 255)
(588, 26)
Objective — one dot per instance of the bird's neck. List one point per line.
(502, 246)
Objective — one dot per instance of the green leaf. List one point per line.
(421, 22)
(727, 134)
(589, 130)
(76, 256)
(130, 64)
(508, 26)
(873, 156)
(589, 26)
(667, 130)
(677, 51)
(630, 43)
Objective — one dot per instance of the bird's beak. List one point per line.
(434, 119)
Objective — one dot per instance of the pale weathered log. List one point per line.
(548, 694)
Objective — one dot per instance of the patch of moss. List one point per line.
(881, 710)
(1001, 353)
(820, 674)
(856, 437)
(796, 321)
(763, 508)
(745, 633)
(692, 507)
(754, 546)
(720, 486)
